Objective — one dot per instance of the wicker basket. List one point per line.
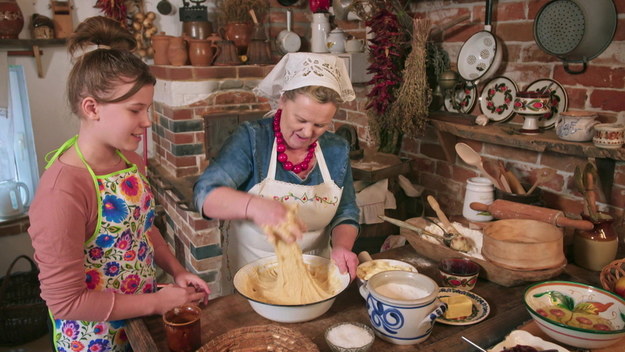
(23, 314)
(611, 273)
(259, 338)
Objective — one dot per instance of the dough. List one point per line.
(291, 281)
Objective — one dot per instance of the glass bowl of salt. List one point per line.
(349, 337)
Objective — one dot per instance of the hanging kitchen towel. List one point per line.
(372, 201)
(4, 84)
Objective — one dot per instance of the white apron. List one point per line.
(245, 242)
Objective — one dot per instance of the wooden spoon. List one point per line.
(471, 157)
(543, 175)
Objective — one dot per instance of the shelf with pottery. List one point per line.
(33, 48)
(449, 126)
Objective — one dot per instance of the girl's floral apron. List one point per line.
(119, 256)
(317, 205)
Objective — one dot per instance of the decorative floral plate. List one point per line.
(481, 309)
(559, 100)
(521, 337)
(461, 98)
(497, 99)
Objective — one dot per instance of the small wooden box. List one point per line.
(62, 18)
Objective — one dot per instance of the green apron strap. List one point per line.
(53, 155)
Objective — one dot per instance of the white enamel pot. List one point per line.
(288, 41)
(480, 56)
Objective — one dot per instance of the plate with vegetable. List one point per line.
(523, 341)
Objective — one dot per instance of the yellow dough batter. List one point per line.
(291, 281)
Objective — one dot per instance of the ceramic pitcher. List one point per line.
(201, 52)
(14, 198)
(402, 306)
(576, 126)
(336, 41)
(177, 51)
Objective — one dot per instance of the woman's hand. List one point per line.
(346, 260)
(268, 212)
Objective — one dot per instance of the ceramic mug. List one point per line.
(576, 126)
(479, 189)
(183, 328)
(354, 45)
(14, 198)
(609, 135)
(402, 306)
(459, 273)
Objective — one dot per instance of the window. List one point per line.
(18, 160)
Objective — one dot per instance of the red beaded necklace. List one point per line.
(281, 148)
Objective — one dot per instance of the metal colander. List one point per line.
(560, 27)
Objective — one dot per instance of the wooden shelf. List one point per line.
(33, 46)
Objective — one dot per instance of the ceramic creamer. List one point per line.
(576, 126)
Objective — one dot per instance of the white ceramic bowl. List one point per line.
(290, 313)
(591, 307)
(371, 267)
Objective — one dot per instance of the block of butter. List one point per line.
(457, 306)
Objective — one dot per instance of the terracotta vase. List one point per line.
(11, 19)
(160, 44)
(240, 34)
(201, 52)
(177, 51)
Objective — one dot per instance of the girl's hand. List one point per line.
(269, 212)
(186, 279)
(346, 260)
(172, 296)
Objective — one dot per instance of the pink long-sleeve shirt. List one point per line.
(63, 215)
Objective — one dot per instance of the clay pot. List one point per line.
(227, 54)
(197, 29)
(11, 19)
(240, 34)
(160, 44)
(177, 51)
(202, 52)
(596, 248)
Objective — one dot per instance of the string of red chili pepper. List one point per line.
(387, 53)
(115, 9)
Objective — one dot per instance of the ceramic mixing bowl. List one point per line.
(290, 313)
(577, 314)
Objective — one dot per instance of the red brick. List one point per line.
(607, 99)
(510, 11)
(159, 71)
(183, 138)
(252, 71)
(411, 146)
(462, 174)
(509, 153)
(180, 73)
(577, 97)
(182, 114)
(182, 161)
(215, 72)
(561, 162)
(340, 115)
(594, 76)
(433, 151)
(618, 196)
(234, 98)
(619, 35)
(534, 6)
(357, 118)
(515, 31)
(619, 174)
(566, 204)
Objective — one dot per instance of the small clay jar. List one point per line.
(596, 248)
(201, 52)
(177, 51)
(11, 19)
(160, 44)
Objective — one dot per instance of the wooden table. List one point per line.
(233, 311)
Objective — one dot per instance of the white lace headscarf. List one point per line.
(297, 70)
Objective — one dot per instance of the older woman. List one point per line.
(288, 158)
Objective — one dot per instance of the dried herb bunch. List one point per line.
(229, 11)
(410, 110)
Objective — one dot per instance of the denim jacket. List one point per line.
(244, 161)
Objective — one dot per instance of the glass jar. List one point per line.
(595, 248)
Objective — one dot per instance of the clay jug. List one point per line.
(595, 248)
(240, 34)
(197, 29)
(177, 51)
(11, 19)
(160, 44)
(227, 54)
(201, 52)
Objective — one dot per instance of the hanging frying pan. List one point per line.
(576, 31)
(480, 55)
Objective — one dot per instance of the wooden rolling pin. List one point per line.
(504, 209)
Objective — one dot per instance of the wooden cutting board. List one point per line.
(490, 271)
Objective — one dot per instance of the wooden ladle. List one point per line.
(542, 176)
(471, 157)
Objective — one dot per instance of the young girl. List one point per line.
(92, 217)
